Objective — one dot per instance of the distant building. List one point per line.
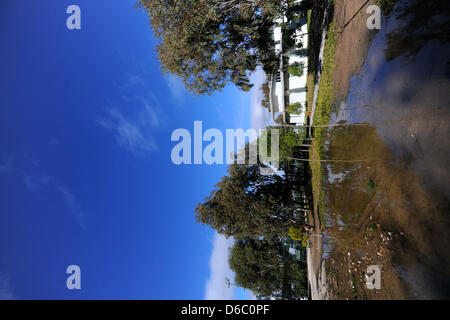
(286, 89)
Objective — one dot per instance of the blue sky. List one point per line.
(85, 171)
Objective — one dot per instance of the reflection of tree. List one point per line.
(426, 21)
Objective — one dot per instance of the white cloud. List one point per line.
(132, 127)
(134, 134)
(176, 87)
(216, 286)
(69, 199)
(5, 289)
(259, 116)
(150, 116)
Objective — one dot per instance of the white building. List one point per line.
(286, 89)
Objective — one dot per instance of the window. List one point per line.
(278, 77)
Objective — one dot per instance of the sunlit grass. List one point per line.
(322, 116)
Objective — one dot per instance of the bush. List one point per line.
(295, 233)
(296, 69)
(294, 108)
(305, 239)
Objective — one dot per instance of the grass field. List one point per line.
(322, 116)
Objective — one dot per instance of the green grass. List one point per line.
(308, 18)
(325, 96)
(322, 116)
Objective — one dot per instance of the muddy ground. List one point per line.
(390, 207)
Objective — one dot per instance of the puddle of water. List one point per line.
(401, 181)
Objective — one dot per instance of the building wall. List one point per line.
(281, 92)
(299, 82)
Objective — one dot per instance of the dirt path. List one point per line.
(353, 40)
(316, 271)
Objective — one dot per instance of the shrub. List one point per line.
(294, 108)
(305, 239)
(295, 233)
(296, 69)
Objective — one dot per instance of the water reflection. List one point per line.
(423, 22)
(392, 207)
